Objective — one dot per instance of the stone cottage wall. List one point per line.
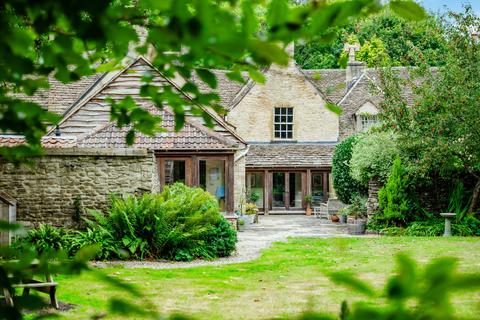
(45, 193)
(372, 202)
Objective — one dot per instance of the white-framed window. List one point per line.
(365, 121)
(283, 123)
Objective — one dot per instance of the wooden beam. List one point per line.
(230, 185)
(266, 192)
(195, 168)
(325, 185)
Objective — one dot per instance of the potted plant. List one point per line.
(241, 224)
(308, 202)
(254, 197)
(343, 215)
(357, 216)
(251, 211)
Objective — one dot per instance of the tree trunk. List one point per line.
(475, 197)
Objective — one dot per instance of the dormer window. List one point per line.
(283, 123)
(366, 116)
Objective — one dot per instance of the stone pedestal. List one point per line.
(448, 223)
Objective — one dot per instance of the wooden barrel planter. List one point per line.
(357, 227)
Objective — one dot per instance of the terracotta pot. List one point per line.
(335, 218)
(309, 211)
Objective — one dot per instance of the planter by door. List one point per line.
(357, 227)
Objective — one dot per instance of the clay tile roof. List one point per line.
(47, 141)
(192, 137)
(290, 155)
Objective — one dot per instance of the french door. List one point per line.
(287, 190)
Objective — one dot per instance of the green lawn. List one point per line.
(287, 279)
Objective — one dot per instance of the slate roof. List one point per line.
(331, 82)
(47, 141)
(193, 136)
(227, 89)
(289, 155)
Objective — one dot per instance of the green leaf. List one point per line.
(130, 137)
(5, 225)
(87, 253)
(348, 280)
(277, 12)
(208, 77)
(256, 75)
(334, 108)
(408, 9)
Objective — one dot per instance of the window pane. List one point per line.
(295, 181)
(283, 123)
(174, 171)
(317, 189)
(255, 187)
(212, 179)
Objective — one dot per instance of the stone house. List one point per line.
(276, 141)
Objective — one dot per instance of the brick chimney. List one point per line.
(354, 68)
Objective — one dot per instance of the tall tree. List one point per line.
(405, 42)
(440, 132)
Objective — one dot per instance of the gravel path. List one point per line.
(251, 242)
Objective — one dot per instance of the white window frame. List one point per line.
(284, 126)
(366, 120)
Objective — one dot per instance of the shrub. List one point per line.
(393, 197)
(181, 223)
(43, 239)
(95, 234)
(345, 186)
(372, 156)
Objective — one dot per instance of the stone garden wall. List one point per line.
(45, 192)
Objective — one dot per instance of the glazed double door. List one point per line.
(287, 191)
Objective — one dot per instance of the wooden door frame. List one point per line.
(193, 160)
(161, 169)
(286, 194)
(248, 175)
(306, 182)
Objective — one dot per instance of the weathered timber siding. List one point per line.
(45, 193)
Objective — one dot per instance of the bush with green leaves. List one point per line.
(43, 239)
(94, 234)
(180, 223)
(372, 156)
(345, 186)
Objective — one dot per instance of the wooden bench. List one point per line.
(49, 287)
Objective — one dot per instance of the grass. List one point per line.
(288, 278)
